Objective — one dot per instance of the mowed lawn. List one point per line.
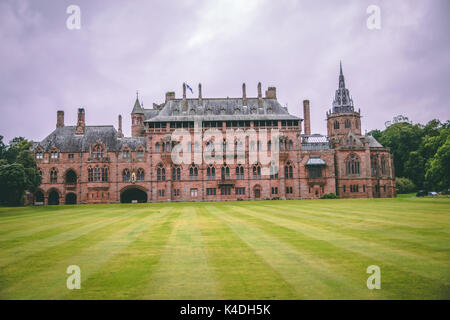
(309, 249)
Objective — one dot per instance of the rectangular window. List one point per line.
(315, 172)
(176, 192)
(194, 193)
(240, 191)
(210, 191)
(274, 190)
(225, 191)
(39, 155)
(161, 192)
(71, 156)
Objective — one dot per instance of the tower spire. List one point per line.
(340, 67)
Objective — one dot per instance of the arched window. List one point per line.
(193, 173)
(157, 147)
(273, 172)
(383, 165)
(288, 171)
(269, 145)
(252, 146)
(97, 152)
(168, 147)
(161, 173)
(97, 174)
(53, 175)
(373, 165)
(140, 152)
(352, 164)
(240, 172)
(176, 174)
(90, 174)
(336, 124)
(256, 172)
(126, 175)
(105, 174)
(211, 172)
(347, 123)
(291, 145)
(140, 175)
(225, 172)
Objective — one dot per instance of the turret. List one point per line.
(137, 119)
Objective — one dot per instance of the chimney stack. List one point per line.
(271, 93)
(81, 121)
(119, 131)
(200, 99)
(244, 95)
(184, 97)
(170, 96)
(307, 117)
(60, 119)
(259, 95)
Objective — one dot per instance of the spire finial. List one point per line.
(340, 67)
(137, 94)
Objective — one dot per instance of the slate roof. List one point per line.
(66, 140)
(315, 161)
(373, 143)
(219, 109)
(315, 142)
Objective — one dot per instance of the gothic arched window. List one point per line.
(126, 175)
(193, 172)
(161, 173)
(53, 175)
(288, 171)
(176, 174)
(211, 172)
(336, 124)
(347, 123)
(225, 172)
(240, 172)
(97, 152)
(157, 147)
(256, 172)
(352, 164)
(140, 175)
(90, 174)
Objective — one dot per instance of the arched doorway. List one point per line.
(71, 198)
(71, 177)
(39, 197)
(257, 191)
(133, 194)
(53, 197)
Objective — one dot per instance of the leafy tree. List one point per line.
(13, 183)
(438, 174)
(404, 185)
(34, 179)
(415, 168)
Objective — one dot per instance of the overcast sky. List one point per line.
(153, 46)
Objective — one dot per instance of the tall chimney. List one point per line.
(184, 97)
(119, 131)
(244, 95)
(259, 95)
(81, 121)
(307, 117)
(60, 119)
(200, 99)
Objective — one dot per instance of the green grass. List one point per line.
(309, 249)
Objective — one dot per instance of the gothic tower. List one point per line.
(343, 117)
(137, 120)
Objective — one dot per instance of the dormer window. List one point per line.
(140, 152)
(97, 152)
(126, 154)
(54, 154)
(39, 155)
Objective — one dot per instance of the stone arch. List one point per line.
(71, 198)
(39, 197)
(70, 176)
(54, 197)
(132, 193)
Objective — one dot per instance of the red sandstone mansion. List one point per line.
(97, 164)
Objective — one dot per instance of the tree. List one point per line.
(414, 168)
(13, 183)
(34, 179)
(404, 185)
(438, 173)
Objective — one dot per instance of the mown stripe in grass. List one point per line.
(183, 271)
(238, 271)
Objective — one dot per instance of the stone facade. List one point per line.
(97, 164)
